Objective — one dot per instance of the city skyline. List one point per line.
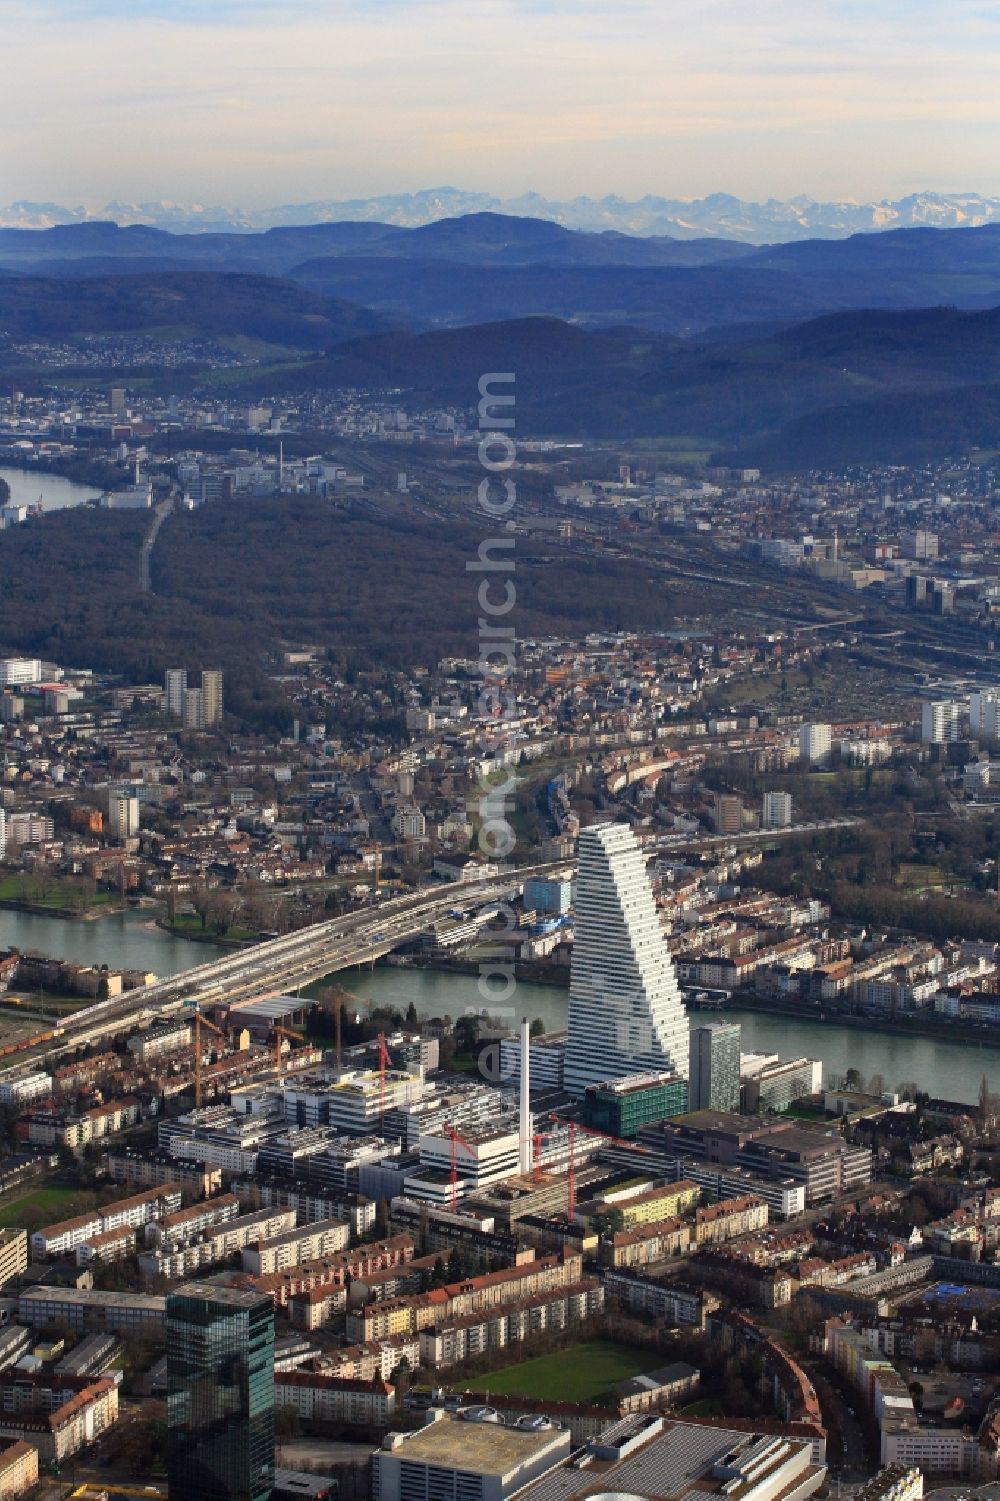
(265, 103)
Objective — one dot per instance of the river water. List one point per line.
(29, 486)
(952, 1070)
(132, 940)
(122, 940)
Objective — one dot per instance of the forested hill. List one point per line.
(235, 581)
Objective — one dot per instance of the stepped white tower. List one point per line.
(625, 1010)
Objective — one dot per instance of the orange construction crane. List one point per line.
(338, 994)
(454, 1137)
(201, 1021)
(279, 1033)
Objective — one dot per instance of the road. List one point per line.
(850, 1455)
(285, 964)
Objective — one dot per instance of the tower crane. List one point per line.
(200, 1021)
(279, 1034)
(454, 1138)
(339, 994)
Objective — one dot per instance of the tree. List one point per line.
(537, 1028)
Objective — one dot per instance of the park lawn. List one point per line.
(52, 1200)
(18, 888)
(920, 876)
(580, 1373)
(189, 925)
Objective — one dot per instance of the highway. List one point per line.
(279, 965)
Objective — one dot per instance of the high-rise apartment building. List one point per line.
(211, 696)
(727, 813)
(943, 721)
(776, 810)
(220, 1393)
(123, 816)
(193, 714)
(625, 1010)
(815, 743)
(714, 1082)
(174, 688)
(984, 713)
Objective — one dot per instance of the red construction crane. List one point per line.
(383, 1063)
(454, 1137)
(572, 1128)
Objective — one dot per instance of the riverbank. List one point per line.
(65, 914)
(199, 935)
(947, 1066)
(934, 1029)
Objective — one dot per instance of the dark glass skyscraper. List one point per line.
(220, 1394)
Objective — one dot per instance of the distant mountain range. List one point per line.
(489, 267)
(718, 215)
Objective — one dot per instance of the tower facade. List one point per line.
(211, 694)
(715, 1067)
(175, 683)
(220, 1393)
(626, 1015)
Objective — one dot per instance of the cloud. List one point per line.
(259, 101)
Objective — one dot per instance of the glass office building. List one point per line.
(220, 1394)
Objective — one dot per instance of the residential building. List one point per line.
(175, 686)
(123, 817)
(943, 721)
(212, 696)
(727, 813)
(318, 1397)
(18, 1469)
(309, 1243)
(815, 743)
(57, 1415)
(625, 1010)
(776, 810)
(220, 1394)
(13, 1254)
(409, 823)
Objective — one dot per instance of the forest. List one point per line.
(236, 581)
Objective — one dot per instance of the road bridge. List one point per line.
(277, 965)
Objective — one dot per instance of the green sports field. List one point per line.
(581, 1373)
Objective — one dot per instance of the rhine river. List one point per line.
(132, 940)
(29, 486)
(951, 1070)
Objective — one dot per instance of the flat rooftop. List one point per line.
(233, 1297)
(482, 1448)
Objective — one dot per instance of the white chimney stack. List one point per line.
(525, 1113)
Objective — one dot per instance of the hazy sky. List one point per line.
(270, 101)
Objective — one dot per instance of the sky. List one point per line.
(263, 102)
